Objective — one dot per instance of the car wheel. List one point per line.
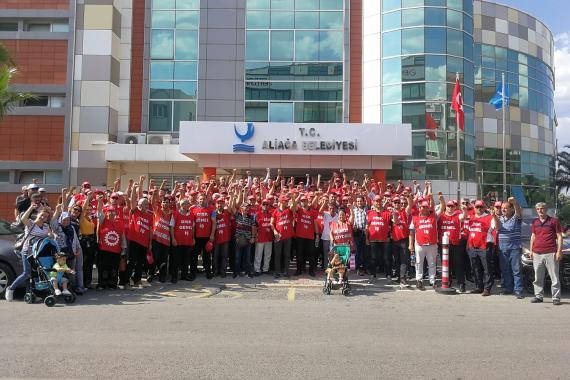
(6, 277)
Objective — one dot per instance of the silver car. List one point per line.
(10, 264)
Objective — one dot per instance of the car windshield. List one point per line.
(6, 228)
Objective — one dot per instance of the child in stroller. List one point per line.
(57, 274)
(40, 283)
(337, 272)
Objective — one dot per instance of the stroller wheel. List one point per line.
(29, 298)
(346, 291)
(69, 299)
(49, 301)
(328, 287)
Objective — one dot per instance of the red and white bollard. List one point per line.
(445, 288)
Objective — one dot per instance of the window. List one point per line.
(39, 28)
(281, 45)
(282, 20)
(281, 112)
(162, 44)
(160, 116)
(8, 26)
(4, 176)
(413, 17)
(39, 101)
(256, 111)
(186, 44)
(392, 43)
(257, 48)
(183, 111)
(305, 43)
(392, 20)
(306, 20)
(435, 40)
(412, 41)
(48, 177)
(258, 19)
(391, 70)
(435, 16)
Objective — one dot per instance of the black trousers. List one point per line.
(160, 253)
(282, 255)
(221, 258)
(466, 260)
(108, 268)
(306, 251)
(89, 249)
(380, 251)
(181, 257)
(137, 257)
(483, 266)
(200, 249)
(401, 257)
(457, 263)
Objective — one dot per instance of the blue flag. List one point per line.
(497, 99)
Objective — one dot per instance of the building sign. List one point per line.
(203, 137)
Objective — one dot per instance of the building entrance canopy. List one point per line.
(290, 145)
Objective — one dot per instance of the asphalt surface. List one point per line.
(264, 329)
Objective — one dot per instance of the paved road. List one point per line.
(284, 330)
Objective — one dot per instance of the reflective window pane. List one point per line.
(282, 20)
(391, 70)
(183, 111)
(163, 4)
(318, 112)
(454, 19)
(392, 114)
(392, 20)
(455, 4)
(413, 41)
(160, 116)
(454, 42)
(184, 90)
(388, 5)
(162, 44)
(435, 40)
(281, 45)
(186, 70)
(435, 68)
(392, 94)
(188, 4)
(413, 68)
(160, 90)
(256, 111)
(186, 44)
(282, 4)
(163, 19)
(467, 46)
(187, 19)
(257, 45)
(436, 91)
(281, 112)
(392, 43)
(331, 4)
(413, 17)
(306, 44)
(330, 46)
(412, 3)
(257, 4)
(413, 91)
(331, 20)
(307, 20)
(435, 16)
(307, 4)
(161, 70)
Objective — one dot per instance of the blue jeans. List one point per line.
(22, 278)
(510, 262)
(242, 259)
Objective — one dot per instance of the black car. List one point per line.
(10, 264)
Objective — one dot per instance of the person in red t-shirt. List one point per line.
(423, 241)
(112, 242)
(161, 240)
(400, 233)
(306, 231)
(140, 237)
(377, 237)
(264, 243)
(205, 231)
(282, 225)
(546, 252)
(182, 233)
(480, 253)
(222, 238)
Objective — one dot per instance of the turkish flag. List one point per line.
(431, 127)
(457, 105)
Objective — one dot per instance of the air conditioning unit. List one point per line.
(158, 139)
(132, 138)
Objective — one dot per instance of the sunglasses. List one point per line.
(479, 206)
(396, 203)
(114, 197)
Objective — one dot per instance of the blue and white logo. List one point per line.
(248, 134)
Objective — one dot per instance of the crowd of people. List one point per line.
(250, 226)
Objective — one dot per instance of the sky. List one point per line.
(555, 14)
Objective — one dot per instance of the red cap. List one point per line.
(220, 200)
(193, 192)
(304, 198)
(387, 194)
(408, 189)
(269, 196)
(85, 184)
(265, 202)
(283, 198)
(451, 203)
(424, 204)
(251, 197)
(498, 204)
(396, 199)
(389, 185)
(377, 198)
(114, 195)
(479, 203)
(455, 203)
(345, 198)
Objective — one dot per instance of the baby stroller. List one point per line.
(41, 261)
(339, 282)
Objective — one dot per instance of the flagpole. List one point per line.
(458, 128)
(504, 138)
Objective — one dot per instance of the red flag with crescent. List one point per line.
(457, 105)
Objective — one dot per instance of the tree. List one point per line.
(563, 170)
(8, 97)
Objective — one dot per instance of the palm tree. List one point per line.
(563, 169)
(8, 97)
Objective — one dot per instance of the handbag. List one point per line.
(21, 239)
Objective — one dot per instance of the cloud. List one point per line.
(562, 94)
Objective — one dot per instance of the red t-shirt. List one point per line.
(183, 228)
(223, 227)
(140, 225)
(203, 221)
(378, 225)
(545, 235)
(305, 223)
(449, 224)
(110, 235)
(425, 228)
(341, 233)
(161, 230)
(401, 229)
(263, 223)
(283, 223)
(478, 230)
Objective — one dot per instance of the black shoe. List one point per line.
(536, 300)
(208, 275)
(150, 278)
(257, 274)
(519, 296)
(286, 274)
(505, 293)
(174, 280)
(556, 302)
(420, 285)
(249, 275)
(486, 293)
(476, 291)
(192, 277)
(462, 288)
(234, 275)
(312, 273)
(276, 275)
(223, 275)
(298, 273)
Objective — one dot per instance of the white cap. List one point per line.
(33, 186)
(42, 189)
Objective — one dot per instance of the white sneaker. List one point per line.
(58, 292)
(66, 292)
(9, 295)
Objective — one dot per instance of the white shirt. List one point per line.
(327, 220)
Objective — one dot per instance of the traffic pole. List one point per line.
(445, 288)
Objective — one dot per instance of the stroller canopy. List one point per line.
(44, 247)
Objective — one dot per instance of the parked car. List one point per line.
(528, 273)
(10, 264)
